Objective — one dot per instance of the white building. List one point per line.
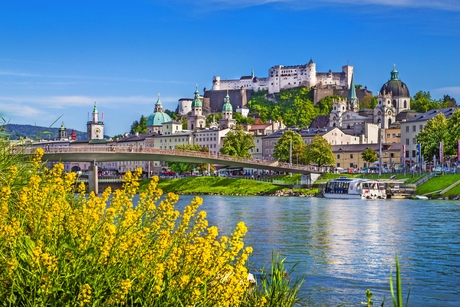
(285, 77)
(412, 127)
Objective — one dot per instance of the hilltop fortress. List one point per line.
(279, 78)
(284, 77)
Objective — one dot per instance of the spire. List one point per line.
(252, 73)
(352, 98)
(62, 126)
(95, 114)
(394, 73)
(158, 100)
(158, 105)
(352, 92)
(227, 105)
(196, 101)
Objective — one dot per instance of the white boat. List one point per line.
(354, 188)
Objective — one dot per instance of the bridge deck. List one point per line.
(108, 154)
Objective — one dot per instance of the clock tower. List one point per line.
(95, 127)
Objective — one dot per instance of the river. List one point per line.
(343, 247)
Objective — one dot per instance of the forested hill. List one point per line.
(15, 132)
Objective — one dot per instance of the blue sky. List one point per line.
(59, 57)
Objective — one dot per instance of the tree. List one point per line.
(422, 102)
(282, 151)
(369, 155)
(183, 167)
(447, 102)
(434, 132)
(213, 117)
(368, 102)
(238, 143)
(240, 119)
(139, 126)
(453, 134)
(319, 151)
(172, 114)
(325, 104)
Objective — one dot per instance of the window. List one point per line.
(407, 141)
(414, 152)
(421, 127)
(388, 135)
(414, 128)
(351, 156)
(392, 155)
(266, 143)
(414, 141)
(393, 135)
(338, 156)
(407, 128)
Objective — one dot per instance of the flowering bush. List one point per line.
(58, 248)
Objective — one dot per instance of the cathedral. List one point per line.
(392, 99)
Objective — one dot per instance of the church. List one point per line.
(392, 99)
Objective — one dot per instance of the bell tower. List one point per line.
(95, 128)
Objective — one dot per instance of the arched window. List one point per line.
(389, 122)
(405, 104)
(394, 103)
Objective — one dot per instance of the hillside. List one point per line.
(15, 132)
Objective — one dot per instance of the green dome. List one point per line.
(158, 117)
(196, 103)
(227, 105)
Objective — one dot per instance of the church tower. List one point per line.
(95, 127)
(196, 119)
(393, 98)
(227, 120)
(62, 132)
(339, 107)
(352, 101)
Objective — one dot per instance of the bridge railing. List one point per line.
(176, 152)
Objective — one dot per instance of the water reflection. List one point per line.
(345, 247)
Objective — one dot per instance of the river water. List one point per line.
(343, 247)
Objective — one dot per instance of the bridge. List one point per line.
(96, 154)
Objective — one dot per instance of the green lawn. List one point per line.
(438, 183)
(216, 185)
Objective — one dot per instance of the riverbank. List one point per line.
(208, 185)
(435, 188)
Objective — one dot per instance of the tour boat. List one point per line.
(354, 188)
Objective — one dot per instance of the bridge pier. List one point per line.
(93, 174)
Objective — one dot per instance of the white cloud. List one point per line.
(62, 102)
(80, 77)
(453, 91)
(303, 4)
(13, 110)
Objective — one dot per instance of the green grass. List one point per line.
(217, 185)
(438, 183)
